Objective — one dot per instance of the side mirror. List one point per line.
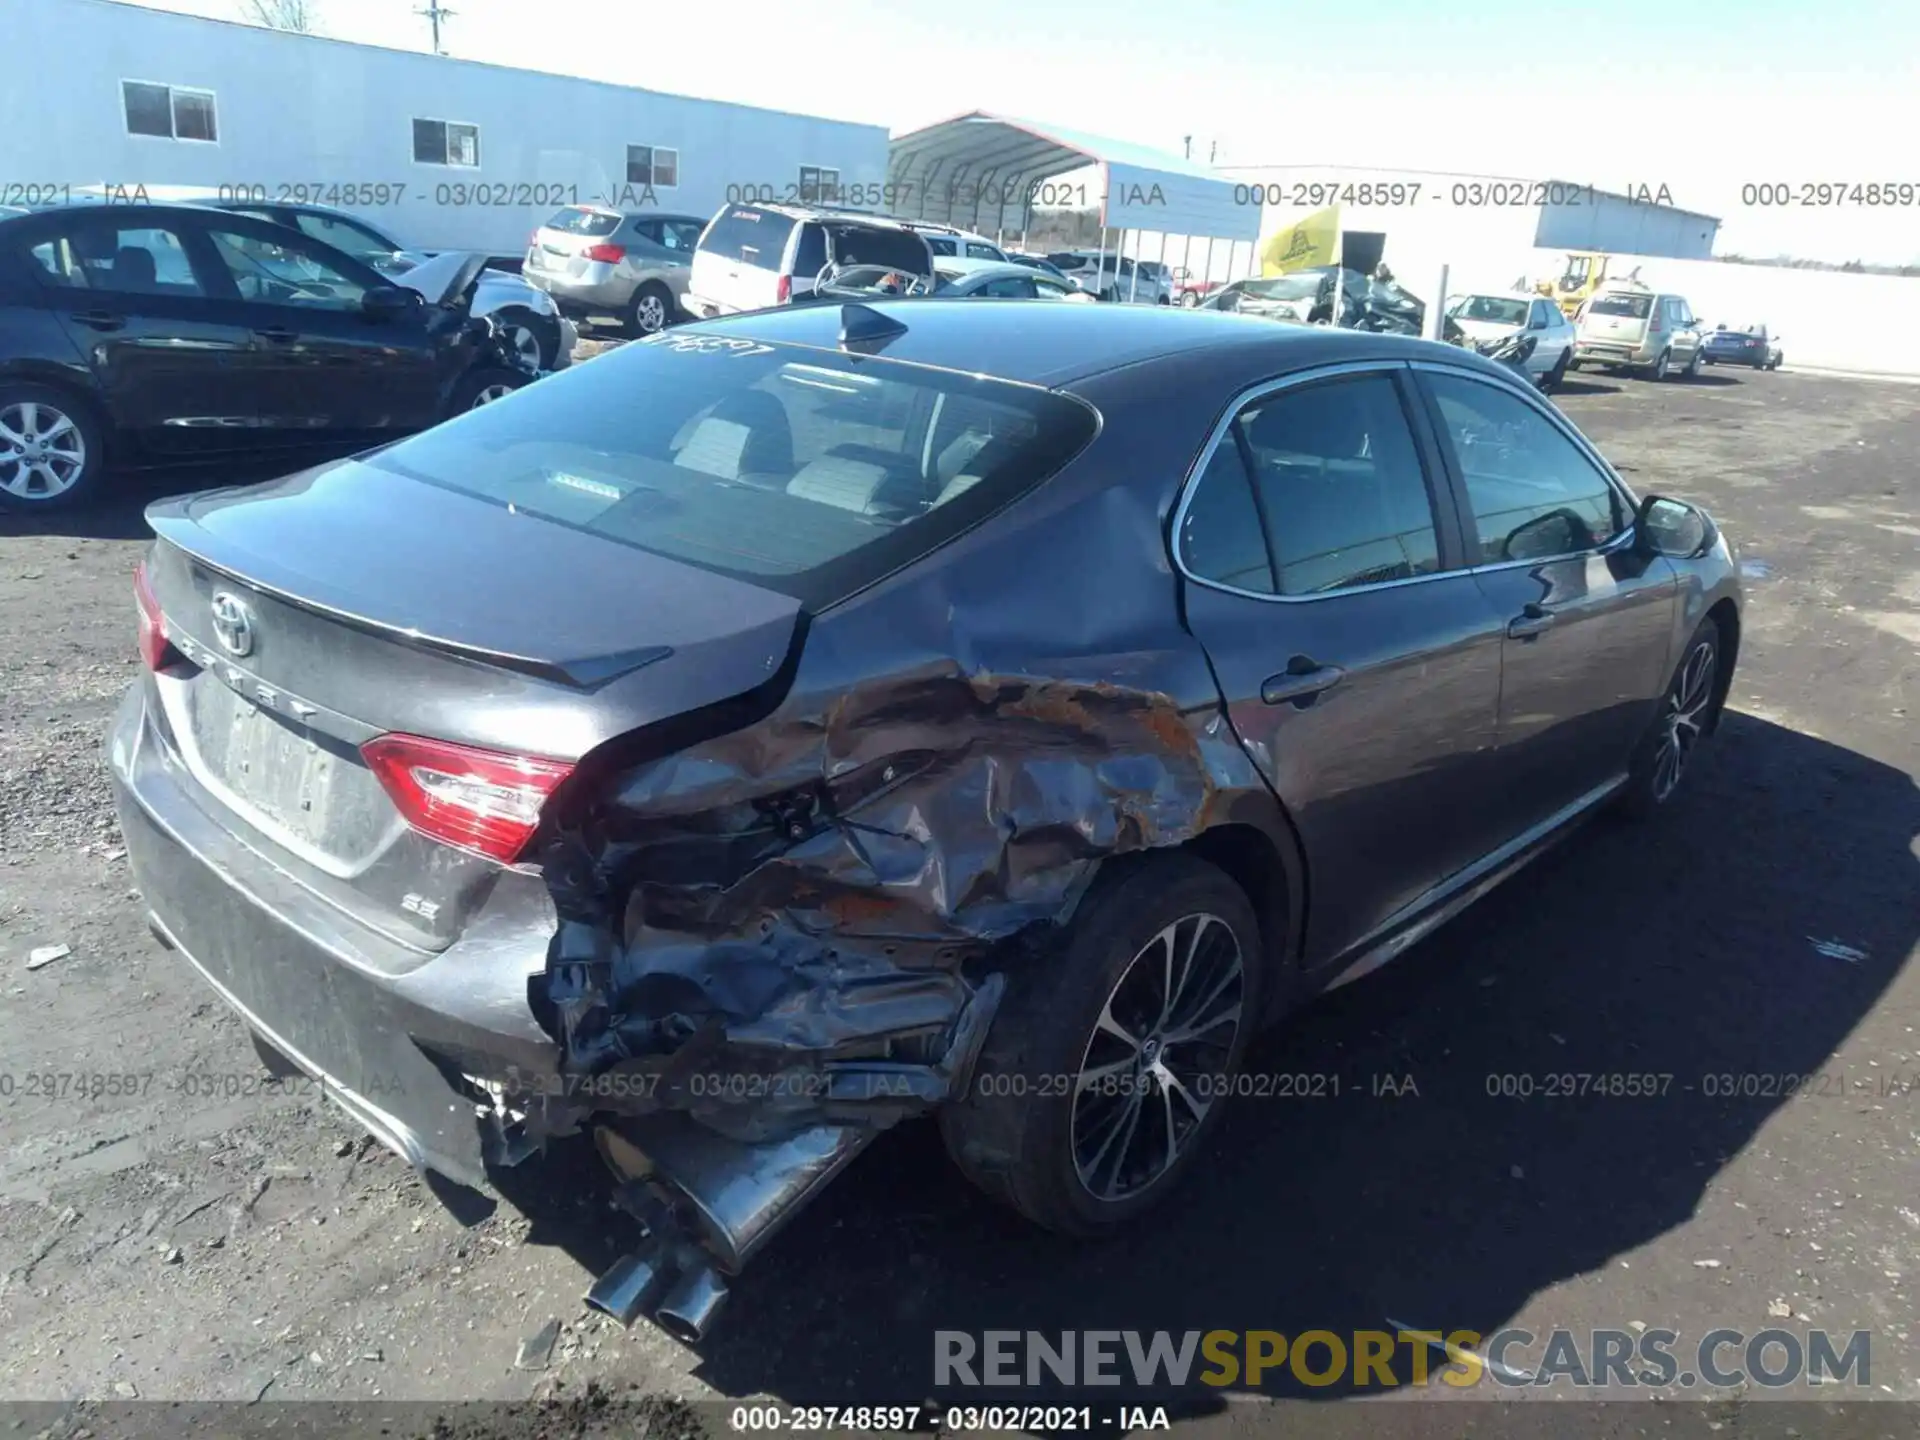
(1665, 526)
(384, 302)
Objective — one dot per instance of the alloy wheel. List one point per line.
(42, 452)
(487, 394)
(650, 316)
(1158, 1056)
(1685, 718)
(526, 345)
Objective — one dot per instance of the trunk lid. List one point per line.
(322, 610)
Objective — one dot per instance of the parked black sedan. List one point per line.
(918, 706)
(172, 332)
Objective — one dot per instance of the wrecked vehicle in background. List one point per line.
(793, 724)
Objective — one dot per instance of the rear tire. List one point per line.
(1686, 714)
(1189, 301)
(53, 449)
(651, 310)
(1071, 1118)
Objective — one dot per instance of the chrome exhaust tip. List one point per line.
(628, 1287)
(690, 1309)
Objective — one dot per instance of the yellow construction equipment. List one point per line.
(1585, 272)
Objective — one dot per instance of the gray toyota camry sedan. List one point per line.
(793, 724)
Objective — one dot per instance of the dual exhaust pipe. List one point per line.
(716, 1203)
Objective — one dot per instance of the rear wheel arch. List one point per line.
(1726, 617)
(1262, 856)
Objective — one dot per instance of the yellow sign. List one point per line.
(1305, 243)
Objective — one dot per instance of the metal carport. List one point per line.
(984, 172)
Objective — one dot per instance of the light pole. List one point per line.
(436, 12)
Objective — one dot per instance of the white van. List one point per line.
(753, 256)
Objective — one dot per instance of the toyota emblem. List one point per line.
(232, 623)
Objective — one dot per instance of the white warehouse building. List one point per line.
(443, 153)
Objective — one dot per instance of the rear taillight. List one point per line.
(155, 649)
(785, 291)
(1656, 325)
(485, 801)
(605, 253)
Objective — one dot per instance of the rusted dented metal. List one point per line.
(799, 920)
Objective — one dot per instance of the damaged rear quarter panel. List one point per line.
(801, 920)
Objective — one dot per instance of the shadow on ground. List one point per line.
(1679, 949)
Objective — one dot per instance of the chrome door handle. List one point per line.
(1300, 685)
(1536, 619)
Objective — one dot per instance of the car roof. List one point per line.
(163, 209)
(827, 213)
(1058, 345)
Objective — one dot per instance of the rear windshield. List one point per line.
(755, 237)
(811, 473)
(578, 220)
(1635, 306)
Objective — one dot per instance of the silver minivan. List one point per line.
(753, 256)
(1635, 327)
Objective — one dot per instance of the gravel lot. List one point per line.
(186, 1246)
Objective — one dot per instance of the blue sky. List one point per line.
(1703, 96)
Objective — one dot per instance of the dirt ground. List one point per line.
(199, 1234)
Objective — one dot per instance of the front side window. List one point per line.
(169, 112)
(1534, 493)
(446, 142)
(977, 251)
(811, 473)
(286, 271)
(1338, 484)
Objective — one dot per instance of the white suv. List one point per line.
(1110, 278)
(753, 256)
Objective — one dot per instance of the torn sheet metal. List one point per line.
(778, 927)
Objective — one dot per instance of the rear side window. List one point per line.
(1636, 307)
(578, 220)
(755, 237)
(941, 245)
(1336, 482)
(133, 259)
(809, 473)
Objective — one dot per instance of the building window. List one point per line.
(446, 142)
(653, 165)
(169, 112)
(818, 183)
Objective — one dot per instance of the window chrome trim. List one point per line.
(1191, 484)
(1552, 415)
